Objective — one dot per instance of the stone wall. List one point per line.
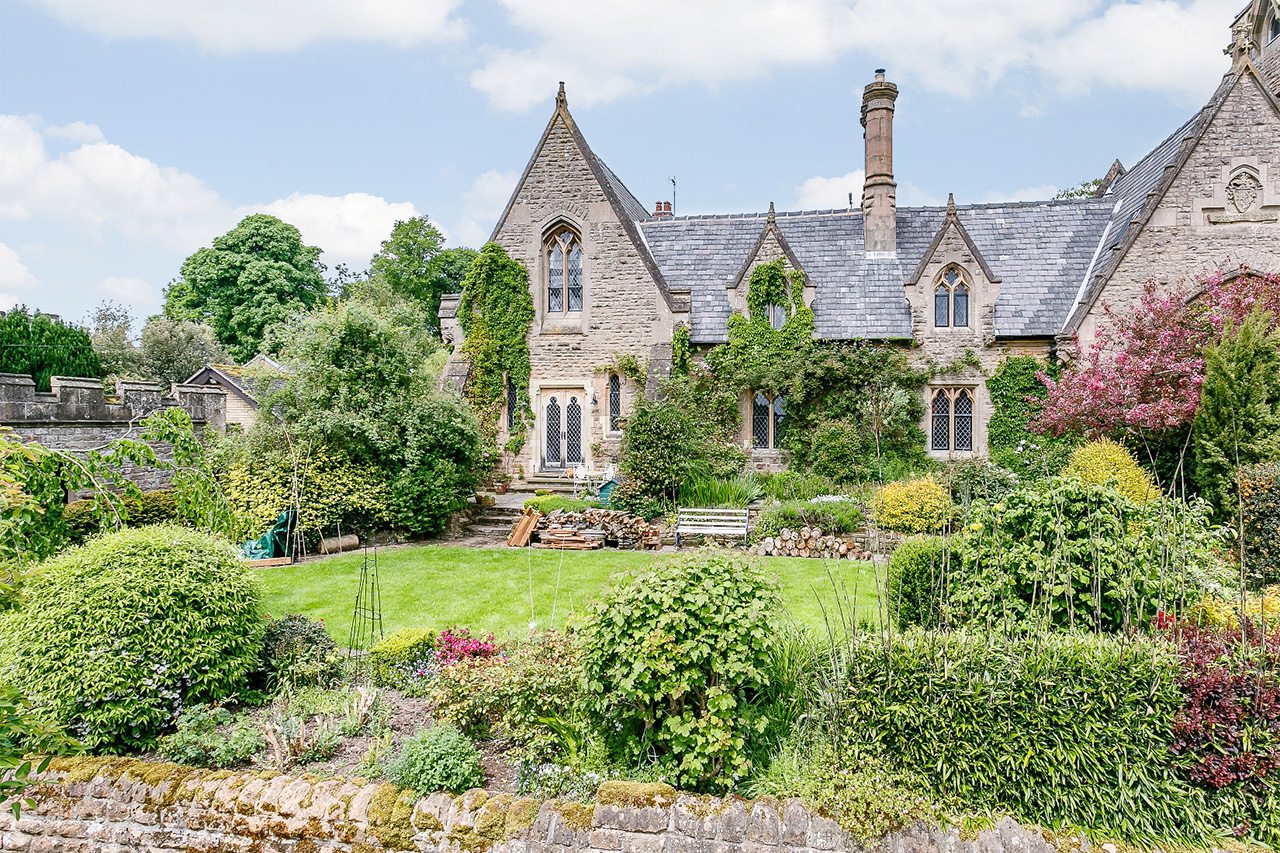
(89, 804)
(77, 416)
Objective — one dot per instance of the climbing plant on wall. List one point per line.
(496, 312)
(758, 357)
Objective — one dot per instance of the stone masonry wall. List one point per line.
(93, 804)
(76, 415)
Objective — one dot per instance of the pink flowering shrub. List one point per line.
(455, 645)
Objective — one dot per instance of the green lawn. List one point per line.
(503, 590)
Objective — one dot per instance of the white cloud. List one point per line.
(622, 48)
(349, 228)
(76, 131)
(482, 204)
(823, 193)
(128, 289)
(228, 26)
(14, 278)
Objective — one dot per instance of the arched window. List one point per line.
(573, 432)
(563, 255)
(1273, 28)
(512, 403)
(767, 412)
(553, 432)
(777, 316)
(951, 419)
(951, 299)
(615, 401)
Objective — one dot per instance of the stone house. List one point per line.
(241, 386)
(610, 278)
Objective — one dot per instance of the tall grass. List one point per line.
(720, 493)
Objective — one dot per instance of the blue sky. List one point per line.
(132, 132)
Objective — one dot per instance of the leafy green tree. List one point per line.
(174, 350)
(254, 277)
(1085, 189)
(110, 329)
(415, 263)
(42, 346)
(1238, 422)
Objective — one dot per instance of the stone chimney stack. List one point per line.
(879, 191)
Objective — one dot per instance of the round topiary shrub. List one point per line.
(674, 657)
(117, 636)
(912, 506)
(1104, 461)
(916, 581)
(440, 758)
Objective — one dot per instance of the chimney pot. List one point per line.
(666, 207)
(879, 190)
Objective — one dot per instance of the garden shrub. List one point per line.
(977, 479)
(718, 492)
(1259, 488)
(440, 758)
(550, 503)
(1104, 461)
(119, 634)
(509, 696)
(158, 506)
(298, 652)
(662, 448)
(1051, 729)
(392, 659)
(674, 656)
(841, 515)
(912, 506)
(1261, 608)
(794, 485)
(1017, 396)
(916, 581)
(1064, 554)
(199, 743)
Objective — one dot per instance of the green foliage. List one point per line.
(758, 357)
(496, 313)
(1053, 730)
(794, 485)
(42, 346)
(970, 480)
(23, 734)
(297, 652)
(912, 506)
(660, 451)
(550, 503)
(627, 365)
(389, 658)
(713, 492)
(674, 656)
(1259, 489)
(511, 696)
(118, 633)
(158, 506)
(1068, 555)
(416, 265)
(1085, 189)
(175, 350)
(680, 350)
(1103, 462)
(110, 326)
(1016, 397)
(916, 582)
(835, 517)
(252, 278)
(199, 742)
(440, 758)
(1238, 422)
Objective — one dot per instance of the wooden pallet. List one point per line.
(523, 528)
(270, 561)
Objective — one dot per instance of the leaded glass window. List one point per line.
(951, 300)
(777, 316)
(960, 306)
(564, 272)
(553, 433)
(760, 421)
(963, 421)
(512, 403)
(941, 307)
(941, 427)
(573, 432)
(615, 401)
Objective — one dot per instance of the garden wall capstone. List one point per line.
(119, 804)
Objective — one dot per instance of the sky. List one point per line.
(133, 132)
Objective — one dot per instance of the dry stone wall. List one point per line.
(95, 804)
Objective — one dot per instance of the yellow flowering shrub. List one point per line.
(912, 506)
(1104, 461)
(1261, 608)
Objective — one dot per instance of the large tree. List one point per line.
(42, 346)
(253, 277)
(414, 262)
(173, 350)
(111, 330)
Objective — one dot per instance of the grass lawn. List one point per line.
(502, 590)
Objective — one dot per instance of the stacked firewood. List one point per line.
(810, 542)
(611, 526)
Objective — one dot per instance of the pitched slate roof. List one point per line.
(1040, 250)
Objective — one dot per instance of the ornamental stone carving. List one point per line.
(1242, 199)
(1243, 192)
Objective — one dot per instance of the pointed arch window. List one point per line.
(767, 413)
(1273, 28)
(562, 252)
(615, 401)
(951, 299)
(512, 404)
(951, 419)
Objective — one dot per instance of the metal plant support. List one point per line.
(366, 618)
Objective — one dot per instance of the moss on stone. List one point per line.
(391, 816)
(577, 816)
(492, 817)
(635, 794)
(520, 816)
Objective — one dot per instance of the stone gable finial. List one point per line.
(951, 204)
(1241, 42)
(561, 100)
(773, 217)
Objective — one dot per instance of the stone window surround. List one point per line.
(939, 281)
(976, 447)
(545, 322)
(775, 418)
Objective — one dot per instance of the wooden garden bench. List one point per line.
(711, 522)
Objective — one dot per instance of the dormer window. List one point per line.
(563, 256)
(1273, 29)
(951, 300)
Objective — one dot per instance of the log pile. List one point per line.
(592, 528)
(810, 542)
